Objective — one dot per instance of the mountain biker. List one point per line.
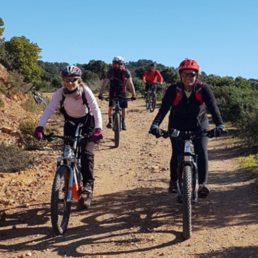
(118, 77)
(75, 112)
(150, 76)
(189, 114)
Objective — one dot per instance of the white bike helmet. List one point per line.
(71, 70)
(118, 60)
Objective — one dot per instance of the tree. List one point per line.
(98, 67)
(25, 56)
(169, 75)
(1, 25)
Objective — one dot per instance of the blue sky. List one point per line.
(221, 35)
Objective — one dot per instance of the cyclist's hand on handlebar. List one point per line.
(100, 96)
(133, 97)
(97, 135)
(38, 134)
(155, 130)
(218, 131)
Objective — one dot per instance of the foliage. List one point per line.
(89, 76)
(98, 67)
(25, 56)
(15, 81)
(1, 25)
(139, 86)
(30, 105)
(250, 164)
(3, 88)
(1, 103)
(13, 159)
(169, 75)
(26, 139)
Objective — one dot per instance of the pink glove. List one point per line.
(38, 133)
(97, 135)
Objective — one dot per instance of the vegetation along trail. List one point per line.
(132, 214)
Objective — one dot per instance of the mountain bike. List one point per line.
(151, 97)
(117, 118)
(37, 97)
(187, 173)
(68, 181)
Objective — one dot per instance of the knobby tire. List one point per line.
(117, 128)
(60, 208)
(148, 101)
(187, 202)
(152, 100)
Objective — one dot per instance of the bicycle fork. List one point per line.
(188, 159)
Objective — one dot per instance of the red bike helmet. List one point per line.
(71, 70)
(188, 64)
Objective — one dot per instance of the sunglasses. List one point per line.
(189, 75)
(70, 80)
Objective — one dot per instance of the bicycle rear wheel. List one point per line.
(117, 128)
(187, 202)
(60, 208)
(152, 102)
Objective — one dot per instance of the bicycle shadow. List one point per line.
(128, 219)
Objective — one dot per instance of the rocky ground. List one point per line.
(132, 214)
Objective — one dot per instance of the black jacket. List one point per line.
(189, 113)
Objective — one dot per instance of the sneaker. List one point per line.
(87, 188)
(172, 186)
(110, 125)
(123, 125)
(203, 191)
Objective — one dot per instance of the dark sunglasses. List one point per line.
(70, 80)
(190, 75)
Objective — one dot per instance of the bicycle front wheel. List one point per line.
(147, 101)
(152, 102)
(187, 202)
(60, 208)
(117, 128)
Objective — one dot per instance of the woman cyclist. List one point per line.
(76, 111)
(187, 101)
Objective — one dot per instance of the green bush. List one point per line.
(13, 159)
(1, 103)
(30, 105)
(3, 88)
(26, 139)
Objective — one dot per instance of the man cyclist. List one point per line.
(187, 101)
(150, 76)
(119, 78)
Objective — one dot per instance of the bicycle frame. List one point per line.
(187, 157)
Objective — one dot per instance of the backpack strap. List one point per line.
(198, 91)
(179, 93)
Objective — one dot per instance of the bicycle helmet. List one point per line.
(153, 65)
(188, 64)
(71, 70)
(118, 60)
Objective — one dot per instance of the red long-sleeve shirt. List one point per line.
(152, 76)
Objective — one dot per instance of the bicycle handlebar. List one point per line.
(49, 137)
(176, 133)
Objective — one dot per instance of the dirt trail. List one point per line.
(132, 215)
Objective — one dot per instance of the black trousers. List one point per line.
(87, 159)
(149, 84)
(200, 148)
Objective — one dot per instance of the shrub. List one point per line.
(13, 159)
(2, 88)
(1, 103)
(26, 139)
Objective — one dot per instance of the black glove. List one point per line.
(133, 98)
(218, 131)
(155, 131)
(100, 97)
